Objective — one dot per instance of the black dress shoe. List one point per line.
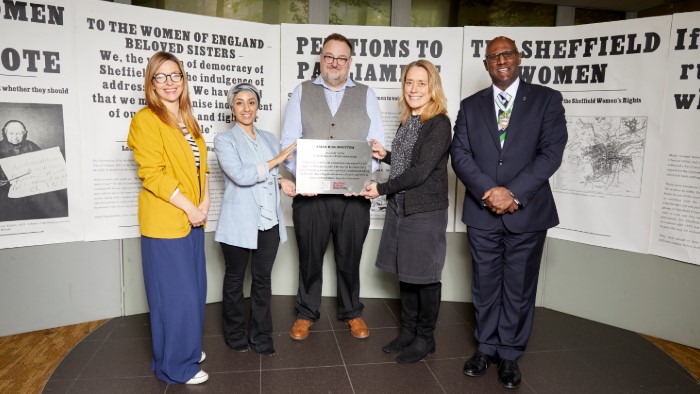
(267, 352)
(477, 364)
(241, 348)
(509, 374)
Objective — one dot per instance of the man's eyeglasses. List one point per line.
(161, 78)
(328, 59)
(507, 55)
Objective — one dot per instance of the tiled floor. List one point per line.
(566, 354)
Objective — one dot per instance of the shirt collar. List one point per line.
(348, 83)
(511, 90)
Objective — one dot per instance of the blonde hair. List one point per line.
(156, 105)
(438, 102)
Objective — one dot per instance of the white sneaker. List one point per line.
(204, 357)
(200, 377)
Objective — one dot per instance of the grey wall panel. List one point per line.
(134, 292)
(374, 283)
(642, 293)
(57, 285)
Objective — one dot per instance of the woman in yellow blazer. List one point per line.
(173, 205)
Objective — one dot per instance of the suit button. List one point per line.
(332, 124)
(500, 162)
(331, 137)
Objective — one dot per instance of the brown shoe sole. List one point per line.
(298, 338)
(359, 336)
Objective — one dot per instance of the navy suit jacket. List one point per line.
(532, 152)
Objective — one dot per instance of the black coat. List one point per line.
(425, 181)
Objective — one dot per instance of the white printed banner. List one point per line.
(675, 230)
(605, 185)
(114, 46)
(71, 74)
(39, 117)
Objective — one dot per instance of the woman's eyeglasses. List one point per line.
(161, 78)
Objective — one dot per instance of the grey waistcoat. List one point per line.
(351, 121)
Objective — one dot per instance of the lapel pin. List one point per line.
(524, 98)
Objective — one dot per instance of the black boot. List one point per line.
(409, 318)
(424, 342)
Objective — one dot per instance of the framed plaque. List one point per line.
(333, 166)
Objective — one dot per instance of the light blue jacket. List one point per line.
(240, 211)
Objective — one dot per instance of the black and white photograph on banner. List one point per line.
(33, 176)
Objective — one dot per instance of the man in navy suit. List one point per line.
(509, 140)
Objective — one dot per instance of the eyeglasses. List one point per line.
(328, 59)
(507, 55)
(161, 78)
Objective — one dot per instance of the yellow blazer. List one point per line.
(166, 162)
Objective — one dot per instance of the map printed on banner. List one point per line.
(378, 57)
(114, 44)
(604, 155)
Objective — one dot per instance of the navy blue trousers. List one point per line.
(506, 267)
(174, 272)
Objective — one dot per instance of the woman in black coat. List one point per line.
(413, 242)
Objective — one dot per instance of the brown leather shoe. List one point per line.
(358, 328)
(300, 329)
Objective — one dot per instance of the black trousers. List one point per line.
(236, 258)
(506, 267)
(316, 219)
